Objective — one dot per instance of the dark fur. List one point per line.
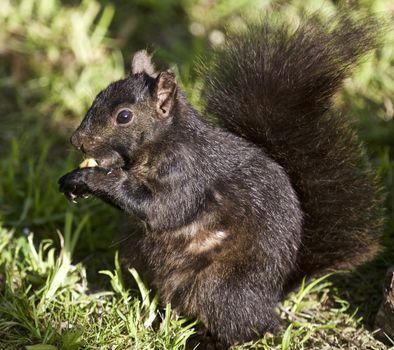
(232, 220)
(275, 88)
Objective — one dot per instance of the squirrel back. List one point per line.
(274, 87)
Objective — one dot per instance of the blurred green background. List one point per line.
(57, 55)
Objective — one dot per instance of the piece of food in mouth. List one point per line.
(88, 163)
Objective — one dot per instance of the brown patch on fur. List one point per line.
(205, 241)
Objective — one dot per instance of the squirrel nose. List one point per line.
(76, 140)
(82, 142)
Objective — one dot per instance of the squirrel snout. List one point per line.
(77, 139)
(82, 141)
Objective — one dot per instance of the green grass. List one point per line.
(48, 302)
(60, 283)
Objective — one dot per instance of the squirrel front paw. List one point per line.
(75, 184)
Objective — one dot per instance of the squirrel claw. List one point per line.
(71, 197)
(73, 185)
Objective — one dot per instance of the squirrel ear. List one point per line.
(164, 93)
(142, 63)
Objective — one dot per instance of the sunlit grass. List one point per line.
(46, 300)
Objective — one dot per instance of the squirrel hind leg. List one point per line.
(240, 309)
(204, 340)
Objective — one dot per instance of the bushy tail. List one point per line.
(274, 86)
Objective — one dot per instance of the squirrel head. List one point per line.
(128, 114)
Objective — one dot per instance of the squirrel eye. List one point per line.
(124, 116)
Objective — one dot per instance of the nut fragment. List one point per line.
(88, 163)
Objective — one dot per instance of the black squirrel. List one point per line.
(238, 211)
